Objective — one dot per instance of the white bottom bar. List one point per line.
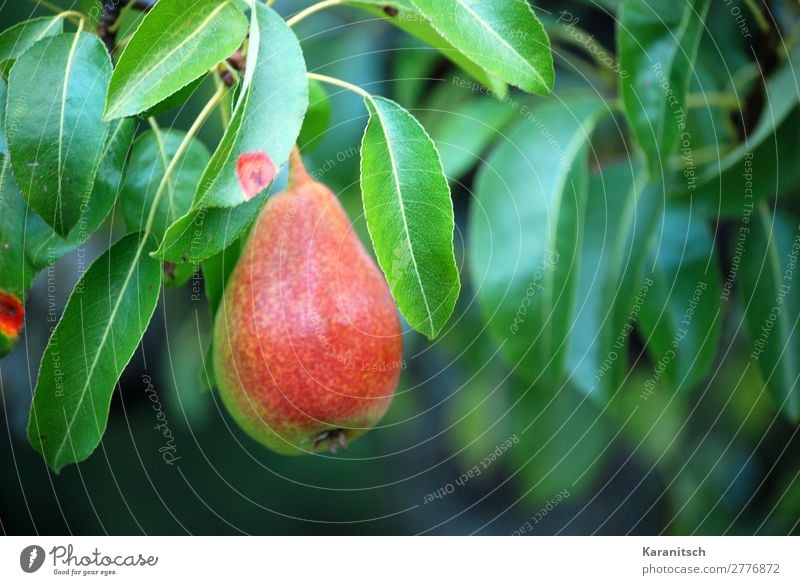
(354, 561)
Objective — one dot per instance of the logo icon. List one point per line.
(31, 558)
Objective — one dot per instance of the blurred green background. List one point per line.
(467, 447)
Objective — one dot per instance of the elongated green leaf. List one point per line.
(152, 153)
(16, 273)
(464, 132)
(21, 37)
(621, 218)
(525, 231)
(562, 443)
(206, 231)
(176, 43)
(406, 17)
(772, 304)
(267, 118)
(269, 112)
(56, 136)
(681, 317)
(409, 215)
(43, 245)
(654, 428)
(22, 233)
(3, 96)
(657, 43)
(765, 163)
(103, 323)
(27, 243)
(503, 37)
(176, 100)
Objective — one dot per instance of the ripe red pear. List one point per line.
(307, 341)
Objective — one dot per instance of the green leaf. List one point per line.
(562, 443)
(317, 119)
(269, 112)
(503, 37)
(409, 215)
(176, 100)
(525, 231)
(464, 132)
(653, 426)
(206, 231)
(681, 318)
(27, 243)
(768, 153)
(407, 18)
(267, 117)
(772, 304)
(657, 43)
(176, 275)
(176, 43)
(43, 245)
(56, 137)
(19, 38)
(622, 210)
(93, 9)
(16, 270)
(216, 271)
(103, 323)
(150, 157)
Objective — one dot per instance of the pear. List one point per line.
(307, 341)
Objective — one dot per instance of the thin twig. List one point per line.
(312, 9)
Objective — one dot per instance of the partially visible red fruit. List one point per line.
(307, 342)
(12, 317)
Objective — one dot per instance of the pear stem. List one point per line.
(298, 174)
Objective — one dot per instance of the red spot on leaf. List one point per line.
(12, 315)
(255, 171)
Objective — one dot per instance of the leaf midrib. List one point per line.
(103, 340)
(64, 91)
(396, 178)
